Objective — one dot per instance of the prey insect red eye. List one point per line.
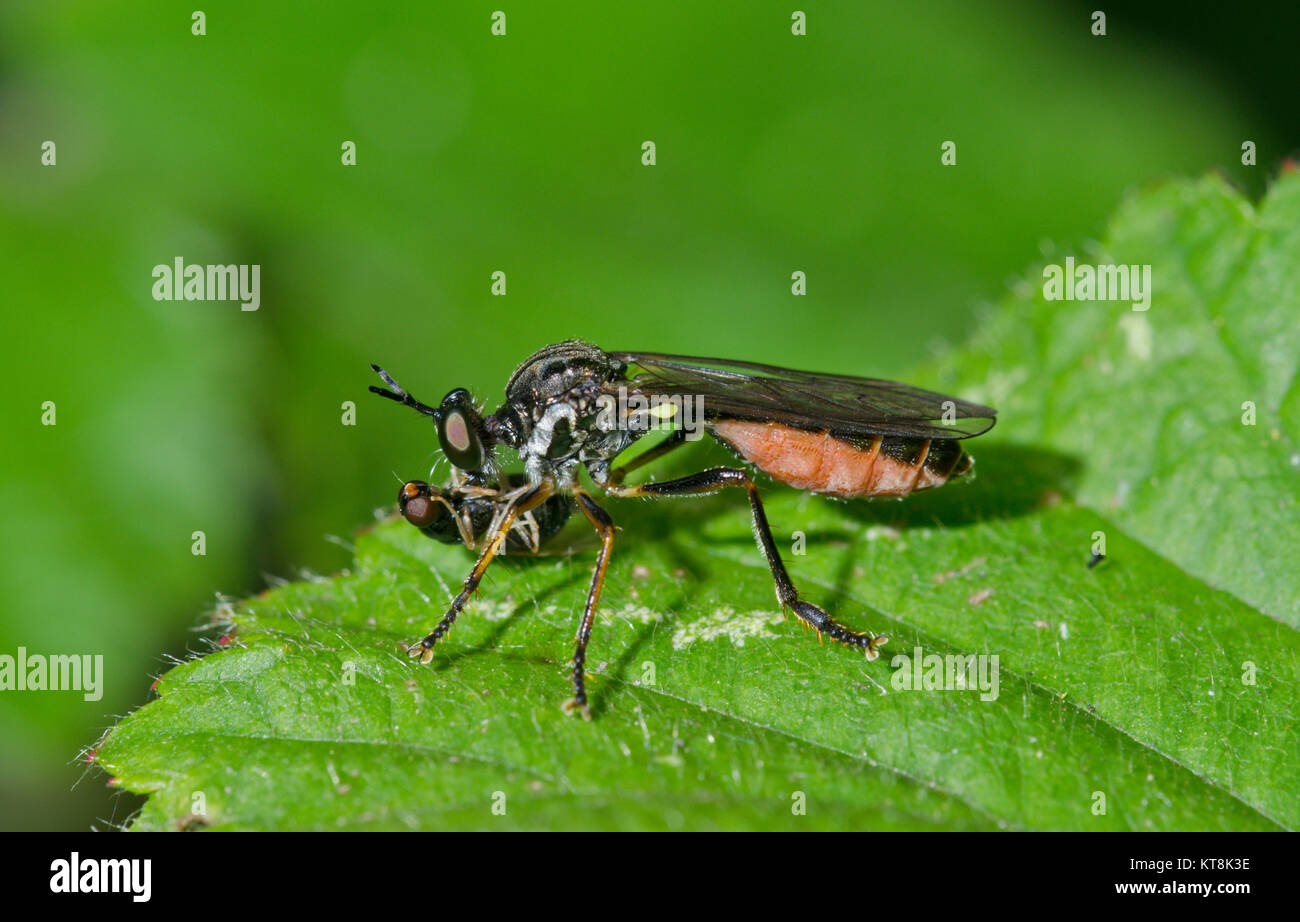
(418, 506)
(420, 511)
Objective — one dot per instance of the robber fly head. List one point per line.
(462, 433)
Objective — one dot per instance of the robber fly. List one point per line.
(571, 406)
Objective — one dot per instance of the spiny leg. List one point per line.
(604, 525)
(505, 521)
(719, 478)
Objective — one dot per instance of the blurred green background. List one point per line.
(478, 153)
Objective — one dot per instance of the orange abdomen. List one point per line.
(823, 463)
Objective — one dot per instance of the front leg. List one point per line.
(522, 501)
(719, 478)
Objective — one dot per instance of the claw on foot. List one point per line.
(421, 652)
(571, 706)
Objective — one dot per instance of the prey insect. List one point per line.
(571, 406)
(463, 512)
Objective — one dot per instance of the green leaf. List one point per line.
(1162, 684)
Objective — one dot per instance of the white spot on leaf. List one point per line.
(724, 622)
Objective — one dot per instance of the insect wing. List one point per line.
(845, 405)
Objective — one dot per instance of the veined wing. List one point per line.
(845, 405)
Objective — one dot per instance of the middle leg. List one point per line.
(604, 525)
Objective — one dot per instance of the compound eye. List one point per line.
(418, 505)
(459, 431)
